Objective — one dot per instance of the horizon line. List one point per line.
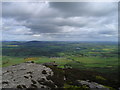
(55, 41)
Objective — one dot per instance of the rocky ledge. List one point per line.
(31, 75)
(26, 75)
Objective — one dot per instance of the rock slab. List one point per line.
(26, 75)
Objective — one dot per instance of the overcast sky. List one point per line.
(60, 21)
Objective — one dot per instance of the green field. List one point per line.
(99, 57)
(7, 61)
(84, 55)
(111, 64)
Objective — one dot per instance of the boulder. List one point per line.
(92, 85)
(26, 75)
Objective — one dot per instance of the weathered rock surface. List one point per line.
(92, 85)
(31, 75)
(26, 75)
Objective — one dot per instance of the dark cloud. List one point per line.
(55, 20)
(44, 28)
(85, 8)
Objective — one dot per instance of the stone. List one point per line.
(25, 75)
(91, 84)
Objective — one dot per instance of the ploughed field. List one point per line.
(96, 61)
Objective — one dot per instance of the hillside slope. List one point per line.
(31, 75)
